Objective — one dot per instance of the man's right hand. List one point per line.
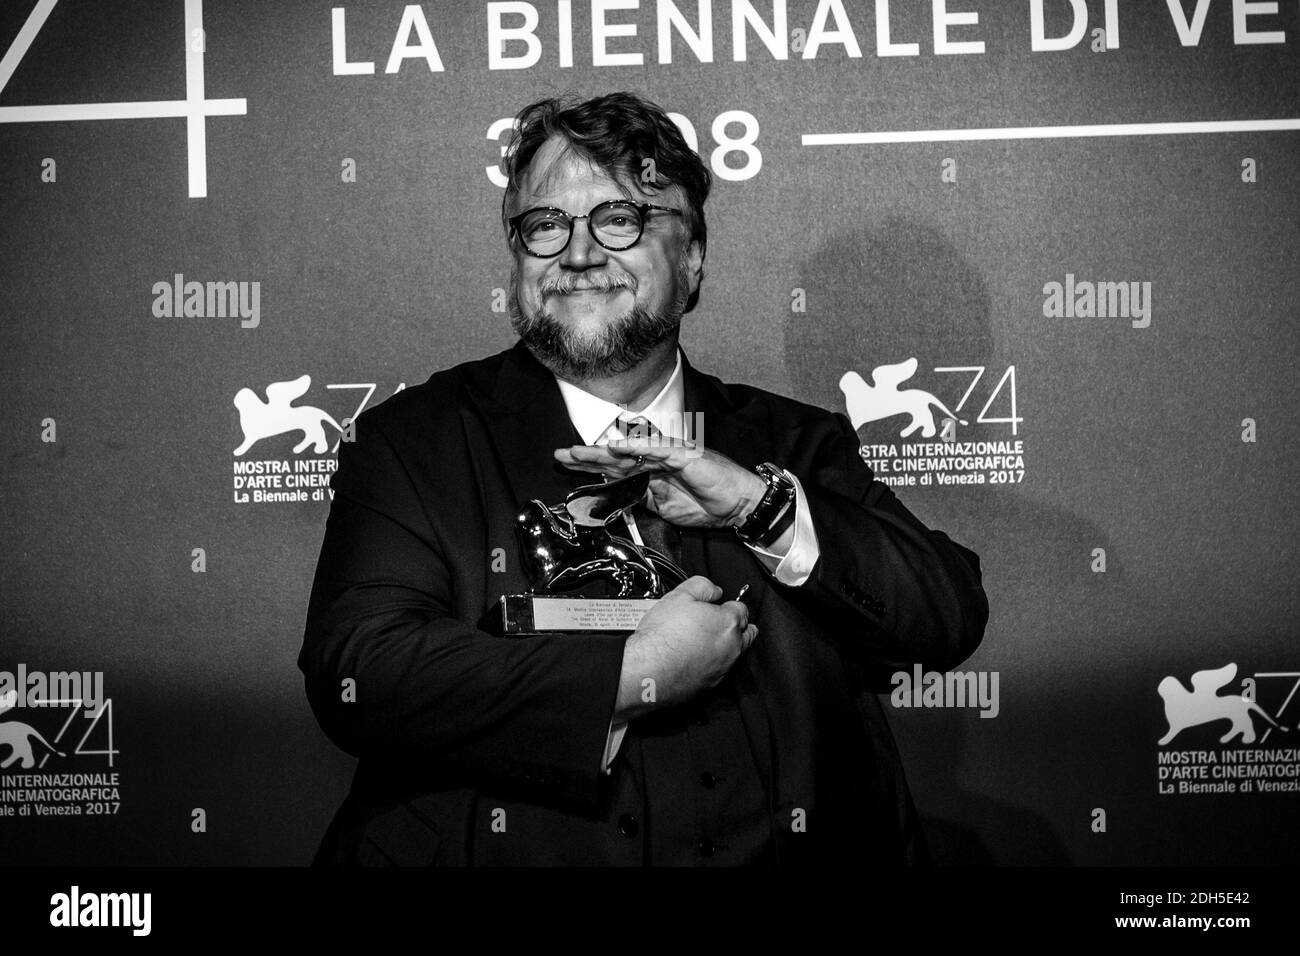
(685, 644)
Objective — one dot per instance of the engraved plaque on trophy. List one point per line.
(569, 551)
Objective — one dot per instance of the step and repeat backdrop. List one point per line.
(1043, 254)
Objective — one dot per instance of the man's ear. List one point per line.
(694, 264)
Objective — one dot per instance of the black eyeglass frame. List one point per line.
(642, 209)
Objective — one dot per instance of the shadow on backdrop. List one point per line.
(897, 290)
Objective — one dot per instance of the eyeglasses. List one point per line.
(616, 225)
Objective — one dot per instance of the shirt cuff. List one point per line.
(795, 566)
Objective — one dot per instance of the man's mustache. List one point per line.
(568, 284)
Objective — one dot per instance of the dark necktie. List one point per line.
(655, 531)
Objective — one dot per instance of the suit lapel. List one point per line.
(731, 431)
(524, 413)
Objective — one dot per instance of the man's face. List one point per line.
(590, 312)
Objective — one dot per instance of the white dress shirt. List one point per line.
(596, 421)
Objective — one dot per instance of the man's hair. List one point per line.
(616, 133)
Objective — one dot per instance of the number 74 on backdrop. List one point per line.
(195, 108)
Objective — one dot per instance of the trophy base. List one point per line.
(519, 615)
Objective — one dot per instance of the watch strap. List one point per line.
(774, 511)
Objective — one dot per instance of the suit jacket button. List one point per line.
(628, 825)
(708, 781)
(706, 847)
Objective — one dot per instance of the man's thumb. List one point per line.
(699, 588)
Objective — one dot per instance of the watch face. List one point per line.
(775, 476)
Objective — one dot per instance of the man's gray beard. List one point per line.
(615, 348)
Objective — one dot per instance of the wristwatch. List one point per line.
(774, 511)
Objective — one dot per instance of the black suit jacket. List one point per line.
(456, 729)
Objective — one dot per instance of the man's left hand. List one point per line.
(689, 486)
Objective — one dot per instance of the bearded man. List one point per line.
(764, 742)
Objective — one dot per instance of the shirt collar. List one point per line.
(592, 416)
